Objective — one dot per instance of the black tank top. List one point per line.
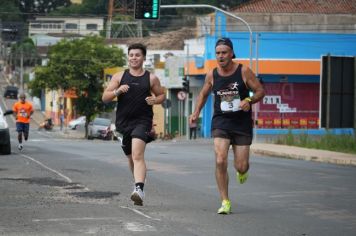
(228, 92)
(132, 107)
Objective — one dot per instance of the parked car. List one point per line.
(100, 128)
(74, 124)
(5, 145)
(11, 92)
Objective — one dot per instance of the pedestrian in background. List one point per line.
(231, 83)
(137, 90)
(61, 120)
(22, 111)
(193, 130)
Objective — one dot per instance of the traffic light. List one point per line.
(185, 84)
(147, 9)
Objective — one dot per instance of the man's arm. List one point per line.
(203, 95)
(8, 112)
(255, 85)
(112, 90)
(157, 90)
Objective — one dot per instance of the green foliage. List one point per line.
(26, 49)
(9, 11)
(95, 7)
(78, 64)
(337, 143)
(43, 6)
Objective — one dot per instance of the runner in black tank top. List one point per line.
(231, 123)
(137, 90)
(229, 91)
(132, 107)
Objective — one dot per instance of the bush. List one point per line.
(337, 143)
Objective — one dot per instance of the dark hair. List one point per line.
(227, 42)
(138, 46)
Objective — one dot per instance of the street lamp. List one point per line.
(220, 10)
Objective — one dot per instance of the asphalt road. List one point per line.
(77, 187)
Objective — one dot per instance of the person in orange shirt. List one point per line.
(22, 111)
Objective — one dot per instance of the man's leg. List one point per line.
(241, 161)
(138, 150)
(19, 137)
(221, 147)
(131, 164)
(139, 170)
(26, 131)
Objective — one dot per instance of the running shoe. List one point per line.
(20, 147)
(225, 207)
(137, 196)
(242, 178)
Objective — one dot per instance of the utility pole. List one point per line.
(22, 90)
(122, 7)
(187, 99)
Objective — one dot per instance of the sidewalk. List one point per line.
(261, 148)
(307, 154)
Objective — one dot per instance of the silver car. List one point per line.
(79, 122)
(5, 145)
(100, 128)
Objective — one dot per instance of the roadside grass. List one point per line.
(337, 143)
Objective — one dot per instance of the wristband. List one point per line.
(116, 92)
(249, 100)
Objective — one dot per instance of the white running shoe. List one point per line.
(137, 196)
(20, 147)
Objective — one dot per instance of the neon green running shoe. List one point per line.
(242, 178)
(225, 207)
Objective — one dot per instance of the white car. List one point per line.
(5, 145)
(79, 122)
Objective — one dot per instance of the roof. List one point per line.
(172, 40)
(298, 6)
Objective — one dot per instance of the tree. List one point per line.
(25, 49)
(41, 6)
(9, 11)
(78, 65)
(92, 7)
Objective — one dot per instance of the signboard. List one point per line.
(181, 95)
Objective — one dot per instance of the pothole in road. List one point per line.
(43, 181)
(95, 194)
(75, 190)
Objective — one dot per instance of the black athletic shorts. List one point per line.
(234, 137)
(140, 131)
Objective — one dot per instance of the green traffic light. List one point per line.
(147, 15)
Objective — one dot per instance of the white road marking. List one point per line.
(137, 227)
(140, 213)
(70, 181)
(48, 168)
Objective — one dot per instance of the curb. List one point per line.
(338, 161)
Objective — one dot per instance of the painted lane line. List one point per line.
(48, 168)
(137, 227)
(140, 213)
(75, 219)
